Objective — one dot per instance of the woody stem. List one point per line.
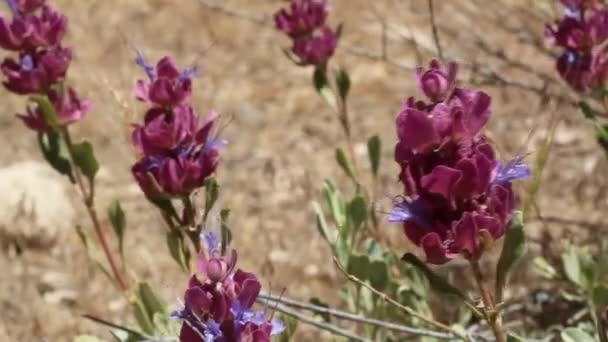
(492, 316)
(88, 200)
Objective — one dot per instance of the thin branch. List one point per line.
(356, 318)
(434, 29)
(310, 320)
(404, 308)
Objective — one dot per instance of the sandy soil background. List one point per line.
(282, 140)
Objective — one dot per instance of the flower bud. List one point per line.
(305, 17)
(437, 82)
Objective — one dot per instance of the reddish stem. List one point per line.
(492, 316)
(88, 200)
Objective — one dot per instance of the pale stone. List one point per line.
(34, 204)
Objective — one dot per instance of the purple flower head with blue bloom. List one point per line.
(582, 33)
(219, 308)
(166, 87)
(313, 42)
(457, 193)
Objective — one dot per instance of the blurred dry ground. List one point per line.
(282, 140)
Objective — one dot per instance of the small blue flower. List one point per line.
(212, 241)
(213, 331)
(277, 327)
(148, 68)
(12, 4)
(405, 211)
(189, 72)
(27, 63)
(215, 144)
(574, 13)
(515, 169)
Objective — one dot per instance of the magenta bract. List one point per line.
(168, 88)
(68, 107)
(36, 72)
(458, 197)
(315, 49)
(437, 82)
(313, 41)
(582, 33)
(29, 31)
(305, 17)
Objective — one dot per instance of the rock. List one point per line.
(34, 205)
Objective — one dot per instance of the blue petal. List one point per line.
(190, 72)
(141, 61)
(515, 169)
(212, 241)
(213, 331)
(408, 212)
(12, 4)
(215, 144)
(277, 327)
(27, 63)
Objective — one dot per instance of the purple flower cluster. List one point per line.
(582, 33)
(35, 33)
(459, 197)
(177, 150)
(218, 305)
(313, 41)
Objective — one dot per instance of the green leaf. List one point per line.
(322, 224)
(152, 303)
(84, 158)
(55, 153)
(572, 267)
(47, 109)
(600, 296)
(374, 147)
(359, 266)
(545, 268)
(357, 211)
(119, 222)
(341, 249)
(588, 112)
(601, 135)
(436, 282)
(291, 325)
(335, 203)
(343, 82)
(513, 249)
(143, 320)
(576, 335)
(579, 267)
(345, 164)
(515, 338)
(175, 242)
(226, 234)
(322, 87)
(212, 192)
(378, 274)
(120, 332)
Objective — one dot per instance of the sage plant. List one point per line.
(177, 150)
(458, 198)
